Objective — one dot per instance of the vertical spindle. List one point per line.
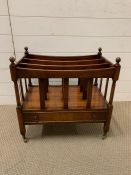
(96, 82)
(21, 87)
(106, 87)
(26, 85)
(100, 84)
(17, 93)
(112, 91)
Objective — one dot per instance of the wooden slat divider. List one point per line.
(84, 88)
(65, 92)
(78, 81)
(30, 83)
(81, 84)
(46, 85)
(42, 92)
(89, 93)
(62, 85)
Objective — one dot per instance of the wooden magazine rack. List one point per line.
(83, 102)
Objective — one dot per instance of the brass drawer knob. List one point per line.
(35, 117)
(93, 115)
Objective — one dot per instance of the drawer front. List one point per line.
(40, 117)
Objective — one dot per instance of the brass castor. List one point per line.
(104, 136)
(24, 139)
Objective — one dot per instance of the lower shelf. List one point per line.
(55, 99)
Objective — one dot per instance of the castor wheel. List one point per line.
(24, 139)
(104, 136)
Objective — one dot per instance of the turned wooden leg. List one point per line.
(21, 123)
(107, 123)
(24, 139)
(104, 136)
(105, 131)
(23, 133)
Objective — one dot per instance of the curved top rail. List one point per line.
(62, 58)
(63, 67)
(59, 62)
(84, 73)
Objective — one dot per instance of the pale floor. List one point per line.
(66, 149)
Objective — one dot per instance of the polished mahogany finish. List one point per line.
(84, 102)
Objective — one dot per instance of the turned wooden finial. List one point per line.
(26, 50)
(12, 60)
(99, 51)
(118, 59)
